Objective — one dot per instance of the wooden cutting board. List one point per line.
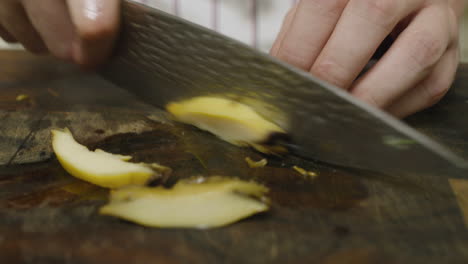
(342, 216)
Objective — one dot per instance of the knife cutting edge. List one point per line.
(162, 58)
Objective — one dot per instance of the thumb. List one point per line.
(97, 24)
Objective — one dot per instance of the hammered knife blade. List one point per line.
(162, 58)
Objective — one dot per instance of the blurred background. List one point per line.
(254, 22)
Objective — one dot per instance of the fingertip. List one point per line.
(38, 49)
(97, 31)
(77, 53)
(80, 57)
(431, 90)
(90, 55)
(93, 47)
(95, 19)
(97, 26)
(6, 36)
(63, 52)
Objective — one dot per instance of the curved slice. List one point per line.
(100, 167)
(189, 204)
(231, 121)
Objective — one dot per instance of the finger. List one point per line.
(6, 36)
(97, 24)
(429, 91)
(14, 18)
(458, 7)
(361, 29)
(51, 20)
(310, 28)
(284, 29)
(409, 60)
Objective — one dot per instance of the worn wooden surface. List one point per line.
(343, 216)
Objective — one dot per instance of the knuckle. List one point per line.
(333, 7)
(369, 97)
(292, 55)
(373, 100)
(383, 12)
(435, 92)
(337, 6)
(331, 72)
(383, 7)
(428, 49)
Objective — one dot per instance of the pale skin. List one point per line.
(332, 39)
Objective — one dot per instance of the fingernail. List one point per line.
(92, 9)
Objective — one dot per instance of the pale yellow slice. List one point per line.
(100, 167)
(231, 121)
(256, 164)
(304, 172)
(212, 203)
(22, 97)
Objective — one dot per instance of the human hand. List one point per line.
(81, 31)
(335, 39)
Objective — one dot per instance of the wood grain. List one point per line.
(342, 216)
(460, 188)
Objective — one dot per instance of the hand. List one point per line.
(81, 31)
(335, 39)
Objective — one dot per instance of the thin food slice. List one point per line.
(209, 203)
(99, 167)
(231, 121)
(256, 164)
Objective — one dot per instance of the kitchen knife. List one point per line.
(162, 58)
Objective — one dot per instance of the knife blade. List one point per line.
(163, 58)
